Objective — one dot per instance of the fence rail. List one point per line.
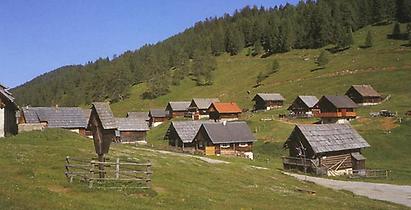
(370, 173)
(118, 174)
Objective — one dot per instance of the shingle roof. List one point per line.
(87, 113)
(139, 115)
(179, 105)
(158, 113)
(131, 124)
(332, 137)
(105, 115)
(270, 96)
(366, 90)
(226, 107)
(204, 103)
(231, 132)
(4, 92)
(56, 117)
(341, 101)
(310, 101)
(187, 130)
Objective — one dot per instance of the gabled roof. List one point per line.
(7, 95)
(331, 137)
(269, 96)
(187, 130)
(366, 90)
(231, 132)
(226, 107)
(87, 113)
(131, 124)
(203, 103)
(105, 115)
(341, 101)
(158, 113)
(310, 101)
(56, 117)
(179, 105)
(139, 115)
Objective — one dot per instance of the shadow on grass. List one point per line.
(316, 69)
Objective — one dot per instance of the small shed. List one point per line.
(177, 108)
(226, 138)
(336, 109)
(70, 118)
(224, 111)
(131, 130)
(157, 117)
(331, 149)
(304, 106)
(199, 107)
(103, 125)
(267, 101)
(8, 108)
(181, 134)
(364, 95)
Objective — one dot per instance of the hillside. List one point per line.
(386, 66)
(32, 177)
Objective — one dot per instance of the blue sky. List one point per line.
(39, 36)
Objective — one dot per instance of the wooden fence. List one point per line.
(370, 173)
(118, 174)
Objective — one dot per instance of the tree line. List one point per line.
(192, 53)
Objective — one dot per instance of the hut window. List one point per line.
(117, 132)
(243, 145)
(225, 146)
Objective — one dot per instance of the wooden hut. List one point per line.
(8, 108)
(304, 106)
(325, 149)
(336, 109)
(199, 107)
(364, 95)
(157, 117)
(226, 138)
(177, 108)
(69, 118)
(139, 115)
(181, 134)
(103, 125)
(131, 130)
(224, 111)
(267, 101)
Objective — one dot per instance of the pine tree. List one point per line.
(323, 59)
(257, 48)
(396, 31)
(234, 42)
(368, 40)
(274, 67)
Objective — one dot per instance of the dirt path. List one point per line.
(205, 159)
(400, 194)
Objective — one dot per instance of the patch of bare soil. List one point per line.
(58, 189)
(388, 123)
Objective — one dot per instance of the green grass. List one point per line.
(32, 177)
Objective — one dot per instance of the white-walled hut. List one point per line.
(325, 149)
(8, 108)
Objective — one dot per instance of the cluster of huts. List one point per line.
(211, 127)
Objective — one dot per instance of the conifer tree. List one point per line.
(368, 40)
(396, 31)
(323, 59)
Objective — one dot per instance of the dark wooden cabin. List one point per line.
(131, 130)
(69, 118)
(8, 108)
(267, 101)
(226, 138)
(181, 134)
(224, 111)
(103, 126)
(325, 149)
(157, 117)
(336, 109)
(199, 107)
(304, 106)
(177, 108)
(364, 95)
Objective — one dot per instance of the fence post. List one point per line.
(90, 181)
(148, 178)
(118, 168)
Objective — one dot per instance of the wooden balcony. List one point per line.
(336, 115)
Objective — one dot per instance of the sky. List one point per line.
(39, 36)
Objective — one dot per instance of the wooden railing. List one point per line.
(335, 114)
(118, 174)
(299, 161)
(370, 173)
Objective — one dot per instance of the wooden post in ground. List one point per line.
(118, 168)
(101, 165)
